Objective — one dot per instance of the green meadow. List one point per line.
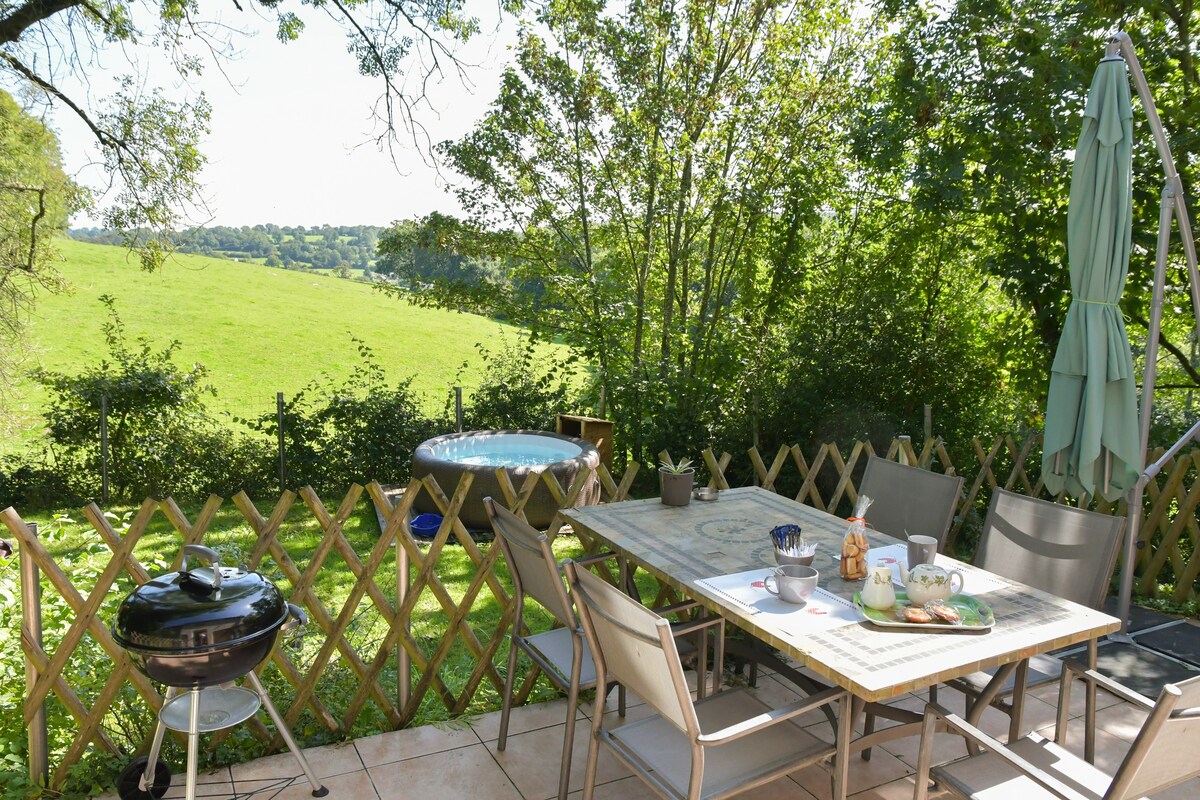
(258, 331)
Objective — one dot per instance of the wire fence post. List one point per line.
(282, 459)
(31, 602)
(458, 409)
(103, 448)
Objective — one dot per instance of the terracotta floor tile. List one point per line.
(899, 789)
(335, 759)
(527, 718)
(465, 773)
(631, 788)
(882, 768)
(413, 742)
(351, 786)
(532, 761)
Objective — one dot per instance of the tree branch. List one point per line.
(33, 223)
(14, 25)
(1184, 361)
(37, 80)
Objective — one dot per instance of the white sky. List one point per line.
(292, 133)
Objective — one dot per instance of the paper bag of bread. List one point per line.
(854, 545)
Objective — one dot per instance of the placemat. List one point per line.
(823, 610)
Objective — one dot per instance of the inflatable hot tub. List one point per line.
(519, 453)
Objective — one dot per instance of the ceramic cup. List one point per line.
(794, 583)
(783, 559)
(921, 550)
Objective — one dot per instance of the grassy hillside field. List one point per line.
(258, 330)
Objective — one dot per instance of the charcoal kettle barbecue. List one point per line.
(197, 631)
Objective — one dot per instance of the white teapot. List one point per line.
(926, 582)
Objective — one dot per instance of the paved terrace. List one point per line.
(459, 761)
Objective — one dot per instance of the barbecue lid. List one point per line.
(199, 609)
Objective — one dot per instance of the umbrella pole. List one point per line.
(1172, 205)
(1134, 505)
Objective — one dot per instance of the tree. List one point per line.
(653, 168)
(36, 198)
(978, 110)
(150, 141)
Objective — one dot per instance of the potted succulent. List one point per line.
(676, 481)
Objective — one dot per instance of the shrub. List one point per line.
(359, 431)
(154, 410)
(519, 390)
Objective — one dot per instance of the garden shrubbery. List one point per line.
(163, 441)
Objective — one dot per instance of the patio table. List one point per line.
(691, 548)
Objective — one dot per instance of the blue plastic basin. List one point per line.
(426, 525)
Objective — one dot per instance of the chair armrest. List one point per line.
(957, 724)
(675, 608)
(594, 559)
(683, 628)
(773, 717)
(1108, 684)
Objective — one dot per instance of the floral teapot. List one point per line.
(926, 582)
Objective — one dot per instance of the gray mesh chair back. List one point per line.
(561, 653)
(909, 500)
(1066, 551)
(676, 750)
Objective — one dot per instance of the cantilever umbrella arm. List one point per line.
(1173, 205)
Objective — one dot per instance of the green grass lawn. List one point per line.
(258, 331)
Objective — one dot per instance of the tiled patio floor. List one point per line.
(460, 762)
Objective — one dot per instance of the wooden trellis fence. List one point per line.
(351, 683)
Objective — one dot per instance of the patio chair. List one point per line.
(711, 748)
(561, 653)
(1065, 551)
(909, 500)
(1162, 755)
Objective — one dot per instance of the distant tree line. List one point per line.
(342, 248)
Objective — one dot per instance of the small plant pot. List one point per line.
(676, 486)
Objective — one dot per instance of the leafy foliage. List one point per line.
(36, 198)
(150, 138)
(358, 431)
(161, 440)
(324, 247)
(519, 389)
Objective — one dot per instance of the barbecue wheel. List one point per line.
(128, 784)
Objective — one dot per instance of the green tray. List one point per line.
(976, 615)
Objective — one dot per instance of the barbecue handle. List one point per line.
(298, 618)
(206, 554)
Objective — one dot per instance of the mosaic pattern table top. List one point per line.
(688, 546)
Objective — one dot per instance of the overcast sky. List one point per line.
(292, 141)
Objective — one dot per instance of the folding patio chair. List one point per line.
(561, 653)
(1033, 768)
(1065, 551)
(909, 500)
(708, 749)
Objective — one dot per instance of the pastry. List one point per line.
(916, 615)
(943, 611)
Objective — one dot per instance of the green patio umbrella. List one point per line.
(1091, 441)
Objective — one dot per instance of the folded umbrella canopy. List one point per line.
(1091, 440)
